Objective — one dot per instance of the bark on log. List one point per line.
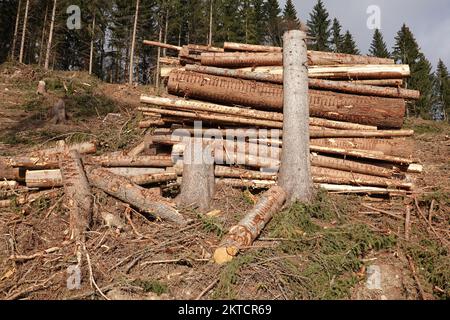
(140, 198)
(212, 109)
(161, 45)
(10, 173)
(375, 111)
(29, 198)
(248, 229)
(127, 161)
(63, 148)
(350, 166)
(360, 72)
(346, 189)
(380, 82)
(362, 154)
(327, 133)
(332, 176)
(400, 147)
(361, 89)
(77, 193)
(315, 58)
(340, 86)
(230, 172)
(140, 176)
(5, 184)
(295, 171)
(245, 183)
(198, 186)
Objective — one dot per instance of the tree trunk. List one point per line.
(325, 104)
(24, 31)
(91, 54)
(41, 47)
(210, 22)
(78, 196)
(16, 30)
(50, 37)
(158, 62)
(295, 171)
(133, 43)
(140, 198)
(248, 229)
(198, 186)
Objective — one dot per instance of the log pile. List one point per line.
(357, 109)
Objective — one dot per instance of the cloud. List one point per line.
(428, 20)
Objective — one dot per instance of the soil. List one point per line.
(140, 258)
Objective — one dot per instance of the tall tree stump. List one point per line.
(295, 172)
(198, 185)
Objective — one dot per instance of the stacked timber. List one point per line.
(357, 109)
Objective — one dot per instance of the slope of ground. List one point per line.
(319, 251)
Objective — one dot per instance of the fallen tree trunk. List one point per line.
(78, 196)
(10, 173)
(346, 189)
(140, 198)
(360, 72)
(63, 148)
(229, 172)
(248, 229)
(327, 133)
(8, 184)
(375, 111)
(246, 183)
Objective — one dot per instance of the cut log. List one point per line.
(78, 196)
(400, 147)
(362, 89)
(140, 198)
(350, 166)
(340, 86)
(375, 111)
(315, 58)
(364, 154)
(63, 148)
(327, 133)
(211, 108)
(153, 123)
(380, 82)
(216, 117)
(415, 168)
(161, 45)
(198, 186)
(10, 173)
(246, 183)
(346, 189)
(248, 229)
(127, 161)
(233, 46)
(360, 72)
(229, 172)
(170, 61)
(140, 176)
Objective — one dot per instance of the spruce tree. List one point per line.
(441, 93)
(319, 27)
(349, 45)
(378, 47)
(407, 51)
(337, 39)
(273, 22)
(290, 20)
(259, 21)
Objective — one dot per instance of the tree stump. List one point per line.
(198, 185)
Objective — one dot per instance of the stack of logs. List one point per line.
(357, 109)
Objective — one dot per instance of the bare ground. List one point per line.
(320, 251)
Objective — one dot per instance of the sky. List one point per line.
(429, 20)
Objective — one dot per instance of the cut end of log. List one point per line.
(224, 255)
(415, 168)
